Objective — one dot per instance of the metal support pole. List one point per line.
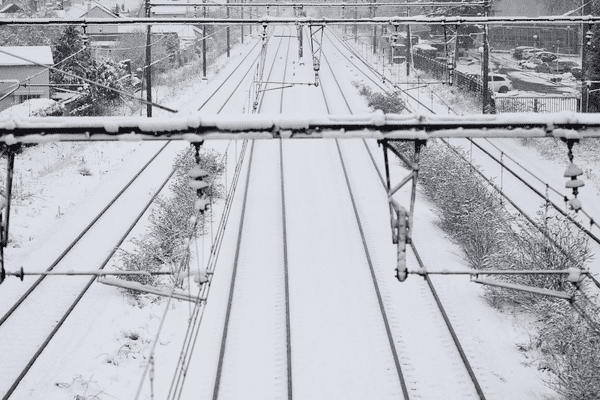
(485, 61)
(456, 53)
(242, 27)
(204, 43)
(228, 33)
(148, 66)
(6, 206)
(374, 32)
(408, 48)
(9, 179)
(585, 28)
(355, 27)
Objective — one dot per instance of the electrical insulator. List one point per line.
(316, 64)
(589, 35)
(198, 183)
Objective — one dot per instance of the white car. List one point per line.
(499, 83)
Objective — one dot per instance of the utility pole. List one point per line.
(228, 32)
(355, 27)
(374, 31)
(148, 63)
(586, 38)
(242, 17)
(485, 62)
(204, 42)
(408, 45)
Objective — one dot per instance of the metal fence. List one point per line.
(437, 68)
(503, 103)
(542, 104)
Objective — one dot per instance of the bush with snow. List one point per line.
(474, 217)
(164, 246)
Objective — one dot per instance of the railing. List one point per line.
(502, 103)
(542, 104)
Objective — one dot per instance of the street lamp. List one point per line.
(535, 41)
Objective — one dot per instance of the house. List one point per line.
(11, 7)
(93, 9)
(21, 80)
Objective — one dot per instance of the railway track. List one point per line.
(38, 319)
(465, 381)
(266, 347)
(281, 316)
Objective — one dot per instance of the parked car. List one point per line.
(530, 63)
(556, 66)
(499, 83)
(576, 72)
(546, 56)
(532, 52)
(518, 51)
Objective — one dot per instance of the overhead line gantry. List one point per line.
(340, 4)
(411, 20)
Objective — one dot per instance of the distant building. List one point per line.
(552, 37)
(11, 7)
(529, 8)
(15, 87)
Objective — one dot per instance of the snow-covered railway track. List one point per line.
(464, 380)
(255, 349)
(29, 325)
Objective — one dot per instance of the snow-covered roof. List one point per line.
(39, 54)
(80, 10)
(424, 47)
(11, 6)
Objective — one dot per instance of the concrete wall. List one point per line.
(22, 72)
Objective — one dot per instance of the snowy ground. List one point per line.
(101, 350)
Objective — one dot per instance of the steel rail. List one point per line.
(366, 64)
(437, 299)
(228, 77)
(78, 238)
(439, 304)
(83, 292)
(230, 299)
(193, 330)
(189, 342)
(288, 323)
(395, 20)
(216, 389)
(459, 347)
(378, 294)
(383, 78)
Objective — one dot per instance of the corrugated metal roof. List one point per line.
(38, 54)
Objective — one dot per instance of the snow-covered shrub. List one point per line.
(163, 247)
(386, 102)
(475, 219)
(524, 247)
(468, 211)
(570, 349)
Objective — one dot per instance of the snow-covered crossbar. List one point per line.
(198, 127)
